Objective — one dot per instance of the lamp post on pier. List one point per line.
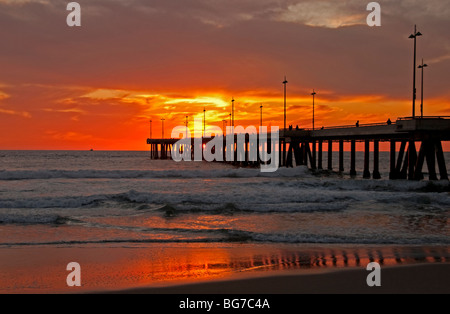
(422, 66)
(204, 121)
(284, 83)
(232, 112)
(313, 94)
(261, 119)
(414, 36)
(150, 129)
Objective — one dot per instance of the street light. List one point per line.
(150, 129)
(232, 111)
(162, 129)
(284, 83)
(260, 122)
(284, 141)
(204, 121)
(313, 94)
(414, 36)
(422, 66)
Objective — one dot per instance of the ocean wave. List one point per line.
(143, 174)
(230, 208)
(331, 239)
(32, 219)
(239, 236)
(292, 198)
(54, 202)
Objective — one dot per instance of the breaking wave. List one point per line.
(233, 236)
(32, 219)
(297, 198)
(143, 174)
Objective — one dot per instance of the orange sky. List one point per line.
(97, 86)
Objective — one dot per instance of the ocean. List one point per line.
(119, 199)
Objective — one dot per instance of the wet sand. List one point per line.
(409, 279)
(232, 268)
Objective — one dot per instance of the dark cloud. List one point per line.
(237, 45)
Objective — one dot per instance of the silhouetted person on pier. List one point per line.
(296, 127)
(389, 122)
(357, 124)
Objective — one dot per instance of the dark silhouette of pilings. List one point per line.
(306, 147)
(409, 164)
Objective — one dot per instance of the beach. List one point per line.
(411, 279)
(135, 225)
(229, 148)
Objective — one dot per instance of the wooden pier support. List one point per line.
(366, 173)
(289, 160)
(376, 160)
(319, 158)
(224, 149)
(420, 159)
(330, 155)
(431, 160)
(441, 161)
(314, 156)
(353, 158)
(393, 166)
(305, 150)
(401, 171)
(427, 151)
(341, 155)
(310, 156)
(298, 155)
(412, 158)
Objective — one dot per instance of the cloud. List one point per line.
(439, 59)
(22, 2)
(23, 114)
(3, 95)
(70, 110)
(330, 14)
(69, 136)
(103, 94)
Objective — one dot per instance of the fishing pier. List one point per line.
(305, 147)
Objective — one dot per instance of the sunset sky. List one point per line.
(98, 85)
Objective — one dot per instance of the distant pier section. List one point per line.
(305, 147)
